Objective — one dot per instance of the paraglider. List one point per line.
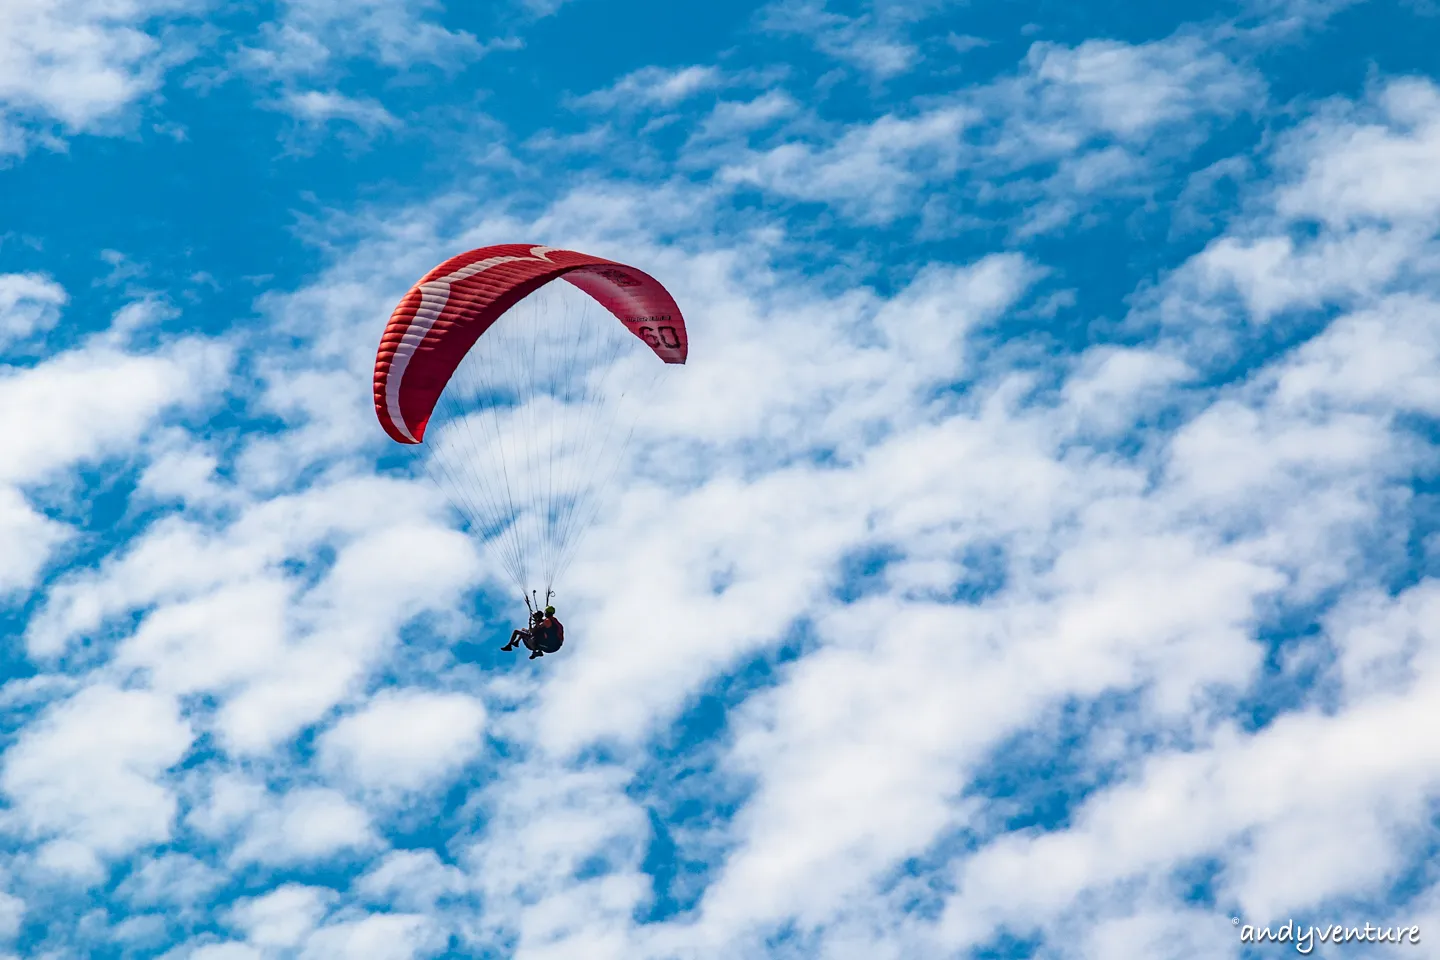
(525, 395)
(546, 634)
(524, 635)
(549, 635)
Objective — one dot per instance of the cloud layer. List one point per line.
(966, 601)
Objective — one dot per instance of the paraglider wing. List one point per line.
(443, 315)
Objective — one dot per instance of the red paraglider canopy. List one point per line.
(443, 315)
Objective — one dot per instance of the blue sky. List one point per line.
(1036, 557)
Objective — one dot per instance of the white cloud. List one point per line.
(526, 867)
(964, 43)
(222, 802)
(412, 880)
(283, 917)
(1369, 242)
(12, 915)
(32, 538)
(320, 108)
(730, 118)
(1279, 19)
(1375, 165)
(226, 621)
(405, 740)
(375, 937)
(1277, 793)
(304, 825)
(81, 407)
(1201, 199)
(876, 41)
(94, 402)
(88, 772)
(79, 63)
(1113, 388)
(872, 172)
(311, 45)
(1103, 119)
(171, 880)
(1122, 90)
(184, 471)
(652, 87)
(1297, 465)
(1074, 124)
(225, 951)
(29, 304)
(311, 37)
